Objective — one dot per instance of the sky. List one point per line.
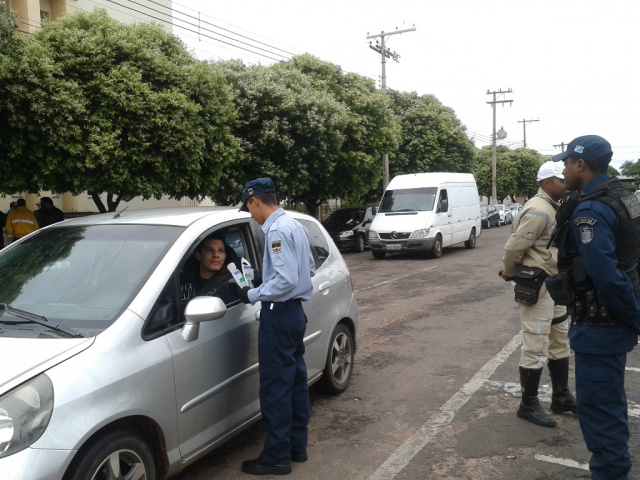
(571, 65)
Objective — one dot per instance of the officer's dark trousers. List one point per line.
(284, 396)
(602, 412)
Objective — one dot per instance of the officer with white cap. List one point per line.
(544, 325)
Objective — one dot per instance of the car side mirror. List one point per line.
(198, 310)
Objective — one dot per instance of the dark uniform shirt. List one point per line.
(594, 226)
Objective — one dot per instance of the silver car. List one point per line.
(106, 375)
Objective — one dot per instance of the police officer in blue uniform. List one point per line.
(598, 281)
(287, 270)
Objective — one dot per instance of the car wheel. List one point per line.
(436, 250)
(120, 454)
(488, 223)
(358, 247)
(471, 243)
(378, 255)
(339, 365)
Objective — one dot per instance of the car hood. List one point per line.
(400, 221)
(24, 358)
(337, 227)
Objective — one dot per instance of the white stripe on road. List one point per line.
(403, 455)
(393, 280)
(632, 369)
(567, 462)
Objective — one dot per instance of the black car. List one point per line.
(489, 216)
(349, 227)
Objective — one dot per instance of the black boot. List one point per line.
(561, 399)
(530, 408)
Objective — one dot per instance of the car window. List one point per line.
(318, 242)
(167, 313)
(82, 277)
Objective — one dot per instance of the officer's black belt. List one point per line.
(560, 319)
(292, 302)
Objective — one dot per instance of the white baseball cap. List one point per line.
(551, 169)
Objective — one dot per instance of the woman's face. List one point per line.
(211, 258)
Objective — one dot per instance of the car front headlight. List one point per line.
(25, 412)
(346, 233)
(373, 235)
(422, 233)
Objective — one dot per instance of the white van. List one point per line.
(424, 212)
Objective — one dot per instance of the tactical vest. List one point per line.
(627, 208)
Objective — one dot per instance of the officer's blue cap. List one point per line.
(587, 147)
(256, 187)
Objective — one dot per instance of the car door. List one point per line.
(329, 283)
(443, 217)
(216, 375)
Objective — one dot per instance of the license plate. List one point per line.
(394, 246)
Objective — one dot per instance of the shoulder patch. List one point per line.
(276, 246)
(584, 221)
(632, 205)
(586, 233)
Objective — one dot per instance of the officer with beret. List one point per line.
(544, 324)
(598, 262)
(287, 270)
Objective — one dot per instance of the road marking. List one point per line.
(632, 369)
(393, 280)
(562, 461)
(403, 455)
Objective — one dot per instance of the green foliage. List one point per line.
(630, 168)
(516, 171)
(101, 106)
(433, 138)
(317, 132)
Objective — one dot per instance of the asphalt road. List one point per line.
(435, 387)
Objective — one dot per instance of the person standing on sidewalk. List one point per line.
(287, 270)
(544, 324)
(21, 221)
(598, 281)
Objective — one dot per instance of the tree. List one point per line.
(630, 168)
(121, 109)
(289, 130)
(516, 171)
(433, 138)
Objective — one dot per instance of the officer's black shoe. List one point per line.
(258, 467)
(562, 400)
(530, 408)
(299, 457)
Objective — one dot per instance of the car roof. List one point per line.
(173, 216)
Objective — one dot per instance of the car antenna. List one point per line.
(117, 215)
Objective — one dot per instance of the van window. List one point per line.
(408, 200)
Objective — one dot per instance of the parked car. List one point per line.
(349, 227)
(106, 375)
(515, 209)
(489, 216)
(506, 216)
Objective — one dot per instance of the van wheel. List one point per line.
(378, 255)
(358, 247)
(471, 243)
(120, 454)
(436, 250)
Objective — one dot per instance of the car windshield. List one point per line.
(513, 207)
(408, 200)
(499, 207)
(344, 217)
(484, 209)
(82, 277)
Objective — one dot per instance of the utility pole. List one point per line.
(494, 188)
(385, 53)
(561, 145)
(524, 129)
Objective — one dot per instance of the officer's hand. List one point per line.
(244, 295)
(506, 278)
